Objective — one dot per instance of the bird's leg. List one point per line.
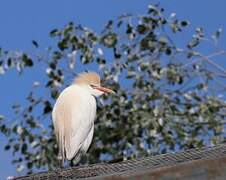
(60, 161)
(74, 161)
(71, 164)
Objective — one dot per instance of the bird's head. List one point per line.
(91, 81)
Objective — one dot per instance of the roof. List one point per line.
(191, 164)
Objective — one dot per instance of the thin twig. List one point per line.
(202, 57)
(206, 58)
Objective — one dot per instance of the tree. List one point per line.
(167, 96)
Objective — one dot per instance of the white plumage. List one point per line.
(74, 114)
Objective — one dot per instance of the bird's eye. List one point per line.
(92, 86)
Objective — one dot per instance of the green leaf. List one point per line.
(1, 117)
(193, 43)
(52, 65)
(2, 70)
(63, 44)
(168, 51)
(35, 43)
(184, 23)
(142, 29)
(218, 33)
(9, 62)
(24, 148)
(54, 32)
(7, 147)
(27, 61)
(29, 165)
(47, 108)
(109, 40)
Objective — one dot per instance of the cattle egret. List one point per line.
(74, 113)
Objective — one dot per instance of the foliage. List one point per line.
(167, 98)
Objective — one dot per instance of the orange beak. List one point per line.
(104, 89)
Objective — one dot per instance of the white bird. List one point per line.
(74, 114)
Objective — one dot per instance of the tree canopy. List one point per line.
(168, 95)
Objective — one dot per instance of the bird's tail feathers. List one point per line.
(62, 155)
(77, 157)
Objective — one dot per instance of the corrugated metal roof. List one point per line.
(147, 166)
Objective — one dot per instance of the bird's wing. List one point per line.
(73, 117)
(84, 147)
(88, 140)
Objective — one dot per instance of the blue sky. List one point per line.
(25, 20)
